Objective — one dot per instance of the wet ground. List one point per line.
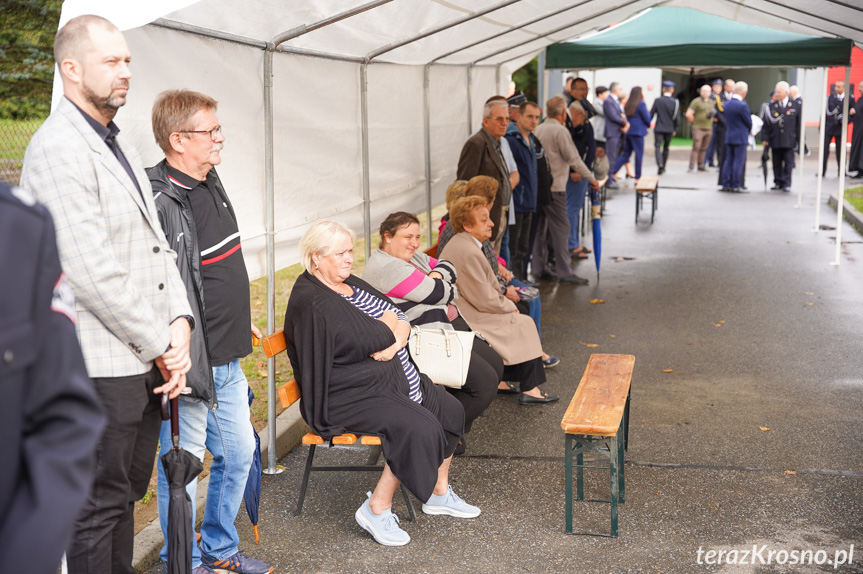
(754, 439)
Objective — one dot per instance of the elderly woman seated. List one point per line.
(489, 312)
(346, 342)
(510, 287)
(424, 288)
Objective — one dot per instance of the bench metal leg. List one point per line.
(305, 483)
(568, 472)
(652, 206)
(615, 482)
(637, 205)
(621, 465)
(412, 515)
(579, 482)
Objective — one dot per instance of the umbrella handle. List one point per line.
(166, 409)
(175, 422)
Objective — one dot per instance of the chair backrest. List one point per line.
(274, 344)
(431, 251)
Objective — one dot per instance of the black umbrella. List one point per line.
(181, 468)
(252, 494)
(765, 155)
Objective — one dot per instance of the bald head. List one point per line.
(793, 92)
(73, 40)
(704, 91)
(840, 87)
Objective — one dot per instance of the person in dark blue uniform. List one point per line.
(781, 131)
(666, 110)
(738, 122)
(833, 122)
(50, 418)
(716, 97)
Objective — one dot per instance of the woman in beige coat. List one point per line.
(512, 335)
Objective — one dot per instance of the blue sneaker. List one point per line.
(239, 563)
(450, 504)
(383, 527)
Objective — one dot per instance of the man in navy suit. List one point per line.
(833, 122)
(738, 124)
(615, 126)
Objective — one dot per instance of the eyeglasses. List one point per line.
(500, 119)
(213, 132)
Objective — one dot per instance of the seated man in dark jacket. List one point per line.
(200, 224)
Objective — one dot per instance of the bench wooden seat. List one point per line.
(647, 187)
(290, 393)
(597, 420)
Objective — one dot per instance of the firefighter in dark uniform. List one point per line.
(50, 416)
(833, 122)
(781, 131)
(666, 110)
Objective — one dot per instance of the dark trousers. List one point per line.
(662, 142)
(721, 150)
(104, 531)
(554, 222)
(783, 165)
(612, 150)
(632, 144)
(732, 169)
(519, 242)
(710, 153)
(827, 139)
(480, 388)
(529, 374)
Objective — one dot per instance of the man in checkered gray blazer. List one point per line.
(134, 317)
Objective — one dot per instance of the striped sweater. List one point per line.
(423, 299)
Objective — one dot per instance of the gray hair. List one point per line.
(783, 85)
(741, 87)
(576, 107)
(613, 86)
(321, 238)
(555, 106)
(486, 109)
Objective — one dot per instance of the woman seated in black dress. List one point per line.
(346, 342)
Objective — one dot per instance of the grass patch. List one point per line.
(854, 196)
(681, 142)
(14, 137)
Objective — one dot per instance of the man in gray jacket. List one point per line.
(562, 154)
(199, 222)
(134, 318)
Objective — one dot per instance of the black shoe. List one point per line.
(725, 188)
(509, 391)
(660, 171)
(546, 276)
(573, 280)
(777, 188)
(460, 447)
(702, 169)
(743, 187)
(524, 399)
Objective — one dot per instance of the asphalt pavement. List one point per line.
(753, 442)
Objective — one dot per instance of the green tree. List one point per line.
(26, 57)
(525, 80)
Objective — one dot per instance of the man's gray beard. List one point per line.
(108, 105)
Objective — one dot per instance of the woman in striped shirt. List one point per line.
(346, 342)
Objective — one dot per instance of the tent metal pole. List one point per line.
(272, 467)
(306, 28)
(549, 33)
(822, 131)
(802, 136)
(540, 79)
(208, 33)
(469, 100)
(367, 207)
(843, 156)
(427, 132)
(497, 80)
(512, 29)
(437, 29)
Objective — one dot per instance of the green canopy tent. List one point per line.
(665, 37)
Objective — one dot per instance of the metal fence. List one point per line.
(14, 137)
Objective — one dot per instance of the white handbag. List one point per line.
(443, 355)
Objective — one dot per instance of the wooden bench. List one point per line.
(288, 395)
(597, 420)
(647, 187)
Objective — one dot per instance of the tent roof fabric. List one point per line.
(662, 37)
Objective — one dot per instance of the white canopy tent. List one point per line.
(350, 109)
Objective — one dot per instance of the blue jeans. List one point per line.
(227, 433)
(534, 307)
(575, 192)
